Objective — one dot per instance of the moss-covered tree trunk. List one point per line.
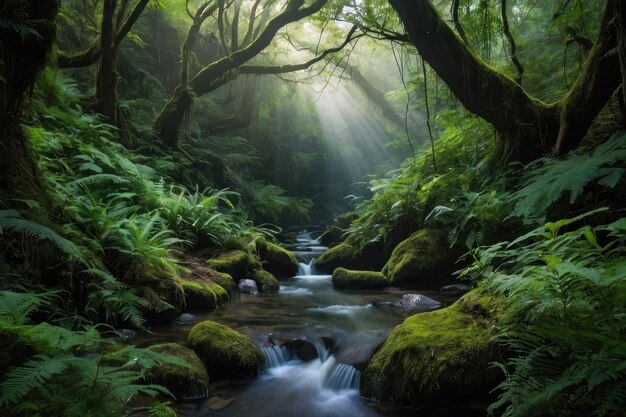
(527, 127)
(22, 57)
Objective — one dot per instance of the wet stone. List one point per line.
(411, 302)
(455, 289)
(303, 349)
(247, 286)
(185, 318)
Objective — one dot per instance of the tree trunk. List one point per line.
(220, 72)
(526, 126)
(21, 60)
(107, 102)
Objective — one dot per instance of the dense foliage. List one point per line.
(155, 135)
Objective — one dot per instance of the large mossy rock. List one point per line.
(346, 255)
(203, 293)
(182, 381)
(225, 352)
(358, 280)
(332, 236)
(424, 259)
(265, 282)
(277, 260)
(439, 356)
(236, 263)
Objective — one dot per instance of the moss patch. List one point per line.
(423, 259)
(237, 263)
(439, 355)
(162, 410)
(332, 235)
(203, 293)
(225, 352)
(265, 282)
(347, 279)
(371, 257)
(345, 219)
(277, 260)
(182, 381)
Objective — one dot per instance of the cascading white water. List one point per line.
(305, 269)
(323, 373)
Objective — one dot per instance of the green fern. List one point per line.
(548, 179)
(11, 221)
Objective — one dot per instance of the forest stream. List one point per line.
(345, 327)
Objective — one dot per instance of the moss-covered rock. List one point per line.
(424, 259)
(184, 382)
(347, 255)
(162, 410)
(442, 355)
(225, 352)
(237, 263)
(332, 235)
(265, 281)
(345, 219)
(365, 280)
(203, 293)
(277, 260)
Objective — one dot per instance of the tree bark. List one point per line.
(600, 78)
(526, 126)
(21, 60)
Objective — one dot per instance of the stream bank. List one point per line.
(345, 328)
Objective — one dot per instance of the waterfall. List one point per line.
(305, 269)
(343, 376)
(276, 356)
(323, 372)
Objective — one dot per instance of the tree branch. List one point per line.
(509, 36)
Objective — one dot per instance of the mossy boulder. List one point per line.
(224, 351)
(277, 260)
(347, 255)
(265, 281)
(424, 259)
(443, 355)
(364, 280)
(344, 220)
(236, 263)
(162, 410)
(203, 293)
(184, 382)
(332, 236)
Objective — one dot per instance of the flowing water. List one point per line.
(344, 326)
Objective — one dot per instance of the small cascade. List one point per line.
(305, 269)
(276, 356)
(323, 372)
(343, 377)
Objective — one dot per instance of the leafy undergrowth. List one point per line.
(564, 321)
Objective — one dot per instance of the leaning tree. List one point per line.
(527, 127)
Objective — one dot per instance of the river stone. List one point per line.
(126, 333)
(225, 352)
(188, 383)
(303, 349)
(248, 286)
(423, 260)
(417, 302)
(438, 356)
(185, 318)
(455, 289)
